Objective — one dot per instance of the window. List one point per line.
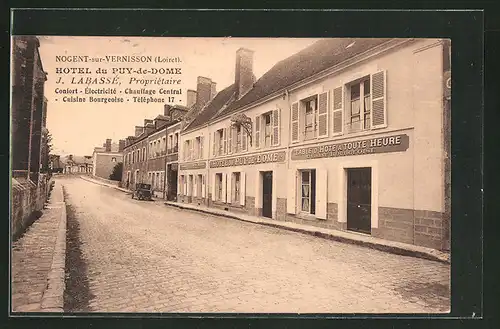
(236, 187)
(170, 143)
(308, 191)
(218, 187)
(113, 159)
(267, 129)
(310, 124)
(239, 145)
(158, 182)
(199, 186)
(144, 154)
(220, 140)
(176, 142)
(187, 147)
(163, 145)
(198, 148)
(359, 109)
(190, 185)
(181, 184)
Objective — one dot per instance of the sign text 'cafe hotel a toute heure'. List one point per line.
(395, 143)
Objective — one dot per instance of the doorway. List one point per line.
(171, 182)
(267, 194)
(359, 196)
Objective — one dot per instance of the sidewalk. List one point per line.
(38, 260)
(105, 184)
(341, 236)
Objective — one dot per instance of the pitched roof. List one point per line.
(307, 62)
(212, 107)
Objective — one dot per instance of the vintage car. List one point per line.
(142, 191)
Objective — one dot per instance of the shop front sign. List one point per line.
(192, 165)
(249, 160)
(172, 157)
(394, 143)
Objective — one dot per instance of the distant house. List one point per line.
(55, 163)
(105, 158)
(77, 164)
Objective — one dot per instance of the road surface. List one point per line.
(127, 255)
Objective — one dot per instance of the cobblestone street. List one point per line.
(139, 256)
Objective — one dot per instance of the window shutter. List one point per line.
(230, 140)
(378, 84)
(230, 188)
(214, 144)
(201, 156)
(257, 131)
(276, 126)
(185, 182)
(321, 193)
(224, 188)
(244, 141)
(338, 111)
(192, 156)
(224, 138)
(291, 191)
(242, 188)
(214, 183)
(295, 122)
(323, 115)
(203, 186)
(195, 185)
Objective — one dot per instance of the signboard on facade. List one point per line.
(394, 143)
(192, 165)
(172, 157)
(447, 84)
(249, 160)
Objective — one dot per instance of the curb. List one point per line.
(386, 248)
(104, 184)
(53, 296)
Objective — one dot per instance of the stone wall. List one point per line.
(395, 224)
(28, 200)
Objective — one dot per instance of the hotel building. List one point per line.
(348, 134)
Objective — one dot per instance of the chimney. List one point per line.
(191, 98)
(148, 121)
(243, 73)
(108, 145)
(149, 128)
(138, 130)
(166, 109)
(213, 92)
(203, 91)
(121, 145)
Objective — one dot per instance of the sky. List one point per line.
(78, 127)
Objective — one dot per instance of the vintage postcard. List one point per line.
(230, 175)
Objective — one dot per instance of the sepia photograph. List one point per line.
(229, 175)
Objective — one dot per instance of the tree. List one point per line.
(46, 149)
(241, 120)
(117, 172)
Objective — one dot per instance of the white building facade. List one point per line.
(357, 140)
